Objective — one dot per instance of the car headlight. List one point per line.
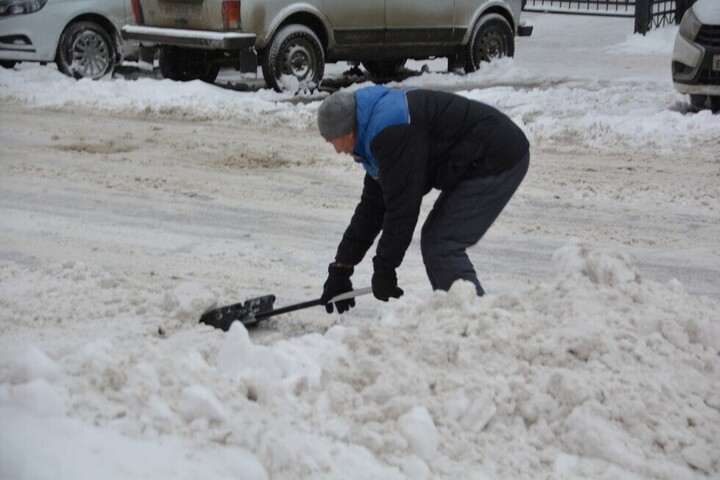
(690, 25)
(19, 7)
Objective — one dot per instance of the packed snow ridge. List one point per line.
(595, 371)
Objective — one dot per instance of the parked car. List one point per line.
(81, 36)
(292, 40)
(696, 56)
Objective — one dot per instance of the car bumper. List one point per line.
(695, 68)
(698, 89)
(22, 40)
(189, 38)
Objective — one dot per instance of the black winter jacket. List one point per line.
(448, 139)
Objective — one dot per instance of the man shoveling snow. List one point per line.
(411, 141)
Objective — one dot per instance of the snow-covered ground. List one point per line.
(129, 206)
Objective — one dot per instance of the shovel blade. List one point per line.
(245, 312)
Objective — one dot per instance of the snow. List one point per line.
(419, 430)
(130, 206)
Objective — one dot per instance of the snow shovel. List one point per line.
(252, 311)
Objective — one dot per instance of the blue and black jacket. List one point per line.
(411, 141)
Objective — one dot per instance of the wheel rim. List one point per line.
(299, 60)
(90, 55)
(492, 45)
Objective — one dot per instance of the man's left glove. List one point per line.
(384, 281)
(338, 282)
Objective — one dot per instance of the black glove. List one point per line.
(384, 281)
(338, 282)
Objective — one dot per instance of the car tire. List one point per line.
(714, 101)
(7, 63)
(384, 69)
(183, 65)
(86, 50)
(698, 102)
(295, 52)
(491, 38)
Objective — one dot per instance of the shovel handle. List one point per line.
(351, 294)
(314, 303)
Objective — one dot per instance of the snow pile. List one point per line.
(594, 373)
(658, 41)
(610, 115)
(193, 101)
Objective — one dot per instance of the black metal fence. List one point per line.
(651, 14)
(648, 14)
(613, 8)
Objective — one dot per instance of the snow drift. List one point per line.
(595, 372)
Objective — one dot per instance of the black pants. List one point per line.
(459, 219)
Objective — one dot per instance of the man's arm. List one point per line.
(402, 154)
(364, 225)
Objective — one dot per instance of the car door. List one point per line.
(356, 21)
(419, 21)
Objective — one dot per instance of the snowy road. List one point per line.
(127, 207)
(182, 199)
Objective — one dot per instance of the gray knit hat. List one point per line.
(337, 116)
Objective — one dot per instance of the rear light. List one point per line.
(231, 14)
(137, 11)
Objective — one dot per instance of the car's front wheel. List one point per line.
(491, 38)
(715, 103)
(85, 50)
(698, 101)
(7, 64)
(701, 102)
(294, 60)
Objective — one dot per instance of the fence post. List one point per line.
(681, 7)
(642, 15)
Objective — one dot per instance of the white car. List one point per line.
(81, 36)
(696, 56)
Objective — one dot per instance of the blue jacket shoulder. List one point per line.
(378, 108)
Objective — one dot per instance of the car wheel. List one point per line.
(7, 64)
(294, 60)
(384, 69)
(491, 38)
(85, 50)
(715, 103)
(183, 65)
(698, 102)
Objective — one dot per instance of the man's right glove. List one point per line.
(338, 282)
(384, 281)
